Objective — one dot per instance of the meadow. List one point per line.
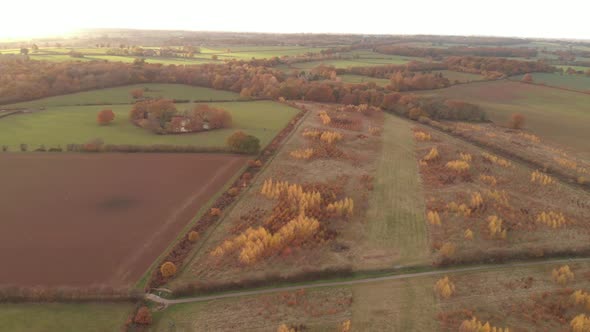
(62, 123)
(557, 115)
(74, 317)
(573, 82)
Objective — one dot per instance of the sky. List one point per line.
(513, 18)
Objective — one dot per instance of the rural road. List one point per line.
(167, 302)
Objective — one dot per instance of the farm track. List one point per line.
(167, 302)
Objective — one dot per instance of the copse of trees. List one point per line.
(244, 143)
(162, 117)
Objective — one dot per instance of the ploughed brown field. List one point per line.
(84, 219)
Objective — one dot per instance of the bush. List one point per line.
(215, 212)
(193, 236)
(241, 142)
(137, 93)
(517, 121)
(24, 147)
(143, 316)
(105, 117)
(168, 269)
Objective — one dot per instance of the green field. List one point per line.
(121, 95)
(63, 317)
(574, 82)
(558, 115)
(63, 123)
(395, 217)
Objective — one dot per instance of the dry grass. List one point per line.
(344, 239)
(507, 192)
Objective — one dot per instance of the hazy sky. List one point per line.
(527, 18)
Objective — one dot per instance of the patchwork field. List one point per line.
(61, 122)
(88, 317)
(553, 114)
(82, 219)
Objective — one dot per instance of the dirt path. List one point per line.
(167, 302)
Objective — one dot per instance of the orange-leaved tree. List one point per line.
(105, 117)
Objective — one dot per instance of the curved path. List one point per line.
(167, 302)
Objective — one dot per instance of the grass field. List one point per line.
(557, 115)
(574, 82)
(316, 309)
(62, 125)
(62, 122)
(395, 217)
(121, 95)
(396, 305)
(75, 317)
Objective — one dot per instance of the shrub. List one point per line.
(105, 117)
(541, 178)
(168, 269)
(136, 93)
(143, 316)
(415, 113)
(468, 234)
(4, 148)
(551, 219)
(193, 236)
(447, 250)
(495, 227)
(580, 323)
(563, 275)
(444, 287)
(94, 145)
(517, 121)
(422, 136)
(302, 153)
(433, 217)
(24, 147)
(475, 325)
(432, 155)
(458, 165)
(241, 142)
(527, 78)
(234, 191)
(215, 212)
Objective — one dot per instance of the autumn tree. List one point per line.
(136, 93)
(517, 121)
(168, 269)
(143, 316)
(105, 117)
(444, 287)
(527, 78)
(241, 142)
